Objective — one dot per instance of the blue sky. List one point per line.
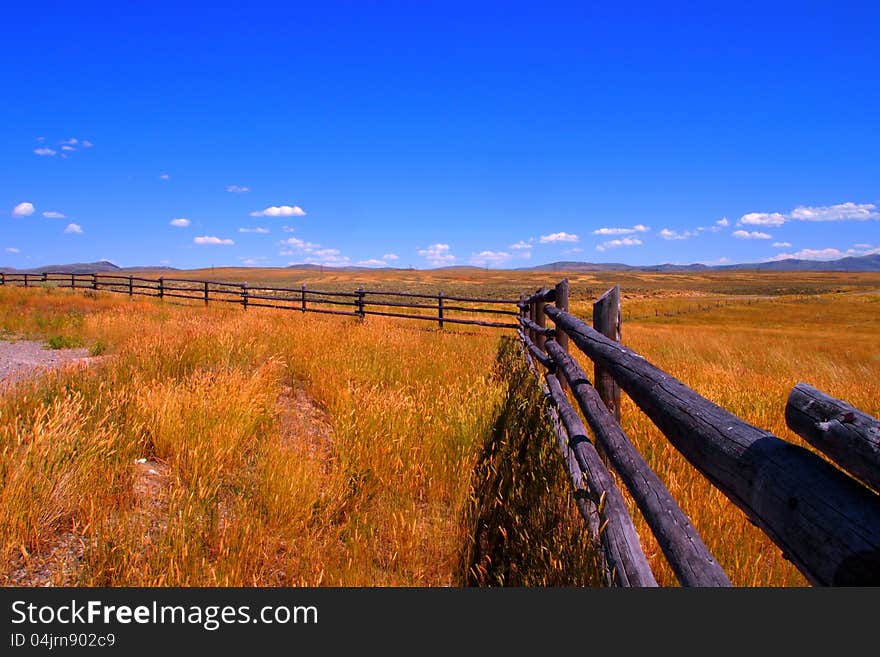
(429, 134)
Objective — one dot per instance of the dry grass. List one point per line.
(374, 484)
(248, 500)
(747, 359)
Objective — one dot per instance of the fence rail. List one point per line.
(360, 302)
(826, 522)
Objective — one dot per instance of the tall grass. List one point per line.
(281, 448)
(244, 496)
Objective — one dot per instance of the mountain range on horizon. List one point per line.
(866, 263)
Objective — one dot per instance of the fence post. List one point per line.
(440, 308)
(130, 287)
(606, 320)
(244, 295)
(561, 336)
(532, 316)
(25, 280)
(2, 278)
(161, 287)
(303, 297)
(541, 321)
(359, 302)
(94, 281)
(45, 277)
(206, 293)
(72, 281)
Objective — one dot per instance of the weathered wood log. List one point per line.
(845, 434)
(541, 295)
(606, 320)
(536, 353)
(618, 537)
(827, 523)
(688, 556)
(536, 329)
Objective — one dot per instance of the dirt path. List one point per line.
(24, 359)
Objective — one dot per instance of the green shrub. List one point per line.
(63, 342)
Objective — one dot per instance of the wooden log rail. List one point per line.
(826, 523)
(358, 303)
(842, 432)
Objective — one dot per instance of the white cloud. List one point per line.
(23, 210)
(390, 256)
(762, 219)
(258, 229)
(638, 228)
(572, 251)
(285, 252)
(164, 176)
(719, 225)
(840, 212)
(811, 254)
(626, 241)
(675, 235)
(253, 261)
(67, 148)
(437, 254)
(301, 244)
(237, 189)
(325, 253)
(210, 239)
(489, 258)
(280, 211)
(751, 235)
(85, 143)
(862, 246)
(74, 228)
(782, 245)
(288, 229)
(70, 142)
(372, 262)
(180, 222)
(45, 151)
(558, 237)
(520, 246)
(328, 258)
(51, 214)
(12, 249)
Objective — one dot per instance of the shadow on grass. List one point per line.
(524, 526)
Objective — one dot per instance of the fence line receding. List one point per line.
(445, 309)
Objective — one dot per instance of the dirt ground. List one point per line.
(24, 358)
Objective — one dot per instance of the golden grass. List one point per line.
(251, 494)
(247, 501)
(746, 359)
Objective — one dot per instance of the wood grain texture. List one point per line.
(845, 434)
(826, 523)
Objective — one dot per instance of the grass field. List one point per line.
(278, 448)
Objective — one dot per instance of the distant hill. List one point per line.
(868, 263)
(100, 267)
(850, 263)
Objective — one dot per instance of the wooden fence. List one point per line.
(825, 521)
(440, 308)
